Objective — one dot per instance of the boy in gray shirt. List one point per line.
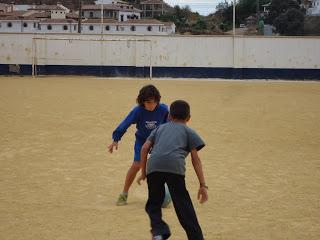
(171, 143)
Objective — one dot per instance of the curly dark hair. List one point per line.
(148, 92)
(180, 110)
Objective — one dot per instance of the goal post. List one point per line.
(91, 52)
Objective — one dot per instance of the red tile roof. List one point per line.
(45, 7)
(58, 21)
(99, 21)
(24, 15)
(129, 22)
(144, 21)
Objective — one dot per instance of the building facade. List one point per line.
(119, 11)
(314, 10)
(119, 19)
(153, 8)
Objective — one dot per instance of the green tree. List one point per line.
(290, 23)
(200, 27)
(278, 7)
(287, 17)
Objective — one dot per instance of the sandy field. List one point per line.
(58, 182)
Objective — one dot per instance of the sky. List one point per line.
(204, 7)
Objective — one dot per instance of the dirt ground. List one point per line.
(57, 181)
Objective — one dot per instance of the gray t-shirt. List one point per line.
(172, 142)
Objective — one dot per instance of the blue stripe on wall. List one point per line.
(173, 72)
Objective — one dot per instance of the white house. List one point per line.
(18, 21)
(121, 12)
(54, 19)
(16, 25)
(314, 10)
(58, 26)
(56, 11)
(133, 27)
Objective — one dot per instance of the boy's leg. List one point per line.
(153, 207)
(135, 167)
(183, 206)
(131, 174)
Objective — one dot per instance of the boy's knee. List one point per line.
(135, 167)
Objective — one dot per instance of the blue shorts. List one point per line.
(137, 149)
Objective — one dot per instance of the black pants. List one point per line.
(181, 201)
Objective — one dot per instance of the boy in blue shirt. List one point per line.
(171, 143)
(147, 115)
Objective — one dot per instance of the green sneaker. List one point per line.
(122, 200)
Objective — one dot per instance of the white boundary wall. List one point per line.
(167, 51)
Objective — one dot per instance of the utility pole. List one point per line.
(258, 11)
(80, 16)
(234, 18)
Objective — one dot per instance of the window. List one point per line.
(107, 28)
(75, 28)
(0, 24)
(9, 24)
(119, 28)
(91, 14)
(34, 25)
(65, 27)
(49, 27)
(91, 28)
(133, 28)
(25, 25)
(149, 28)
(121, 16)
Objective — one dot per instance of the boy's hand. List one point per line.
(141, 178)
(202, 195)
(111, 146)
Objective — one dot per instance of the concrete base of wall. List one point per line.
(163, 72)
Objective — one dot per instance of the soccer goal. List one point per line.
(91, 55)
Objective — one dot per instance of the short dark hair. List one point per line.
(180, 110)
(148, 92)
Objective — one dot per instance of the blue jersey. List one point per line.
(145, 122)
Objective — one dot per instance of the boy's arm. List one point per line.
(131, 118)
(196, 162)
(122, 128)
(143, 159)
